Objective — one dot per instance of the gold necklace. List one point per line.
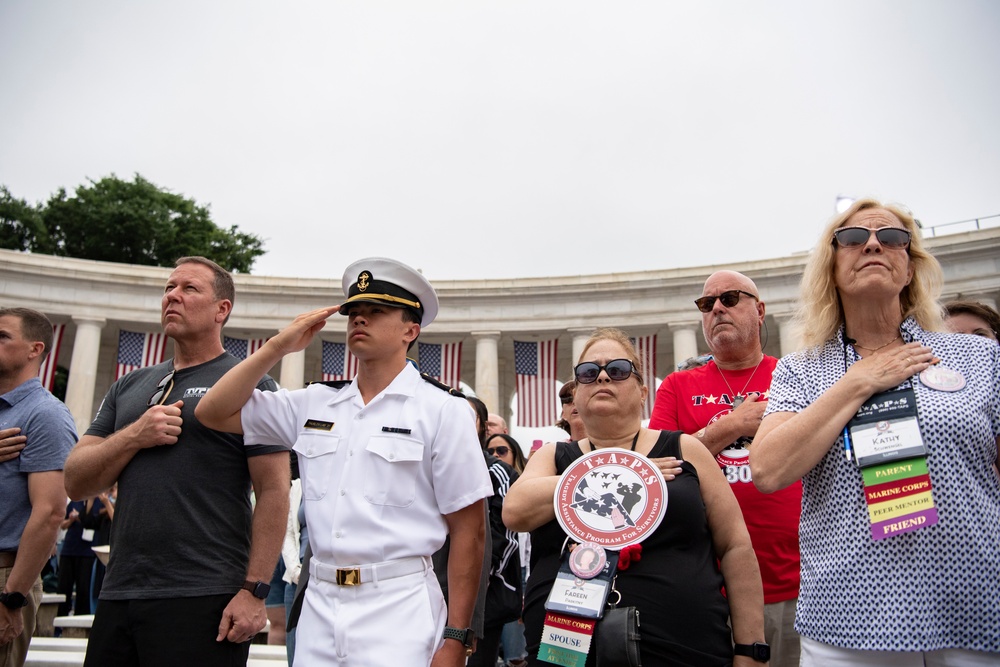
(738, 398)
(876, 349)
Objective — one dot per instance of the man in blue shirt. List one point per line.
(32, 496)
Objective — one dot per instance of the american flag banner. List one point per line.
(645, 346)
(338, 362)
(138, 350)
(442, 361)
(535, 366)
(47, 373)
(240, 348)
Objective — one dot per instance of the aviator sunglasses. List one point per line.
(498, 451)
(889, 237)
(617, 369)
(729, 298)
(162, 390)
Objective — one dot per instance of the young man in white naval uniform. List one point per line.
(390, 464)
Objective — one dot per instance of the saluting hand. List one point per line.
(297, 335)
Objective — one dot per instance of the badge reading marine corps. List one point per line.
(611, 497)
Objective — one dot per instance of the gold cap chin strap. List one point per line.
(384, 297)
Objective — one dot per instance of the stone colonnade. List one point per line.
(97, 299)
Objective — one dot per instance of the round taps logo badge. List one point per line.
(611, 497)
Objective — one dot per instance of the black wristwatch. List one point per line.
(465, 636)
(258, 588)
(759, 651)
(13, 600)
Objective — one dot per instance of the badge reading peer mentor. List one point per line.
(611, 497)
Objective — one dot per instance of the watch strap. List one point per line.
(257, 588)
(759, 651)
(464, 635)
(13, 600)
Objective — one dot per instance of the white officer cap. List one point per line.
(391, 283)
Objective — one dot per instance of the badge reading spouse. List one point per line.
(611, 497)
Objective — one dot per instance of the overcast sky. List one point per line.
(511, 138)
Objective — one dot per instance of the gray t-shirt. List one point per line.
(48, 426)
(182, 518)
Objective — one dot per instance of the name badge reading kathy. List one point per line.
(886, 429)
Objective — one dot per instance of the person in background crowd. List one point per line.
(76, 561)
(189, 552)
(505, 448)
(893, 429)
(700, 546)
(972, 317)
(98, 515)
(36, 435)
(390, 466)
(569, 418)
(721, 404)
(495, 424)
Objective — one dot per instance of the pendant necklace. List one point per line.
(873, 350)
(739, 398)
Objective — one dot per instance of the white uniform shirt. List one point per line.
(378, 478)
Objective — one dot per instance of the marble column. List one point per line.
(787, 334)
(685, 342)
(580, 337)
(293, 370)
(487, 369)
(83, 370)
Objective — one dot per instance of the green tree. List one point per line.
(21, 225)
(134, 222)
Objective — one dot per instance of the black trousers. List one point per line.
(75, 571)
(162, 633)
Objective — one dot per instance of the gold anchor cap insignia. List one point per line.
(363, 280)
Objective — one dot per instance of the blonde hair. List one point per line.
(821, 312)
(616, 336)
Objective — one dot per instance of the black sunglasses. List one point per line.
(889, 237)
(617, 369)
(729, 298)
(499, 450)
(163, 389)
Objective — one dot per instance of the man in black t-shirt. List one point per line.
(187, 577)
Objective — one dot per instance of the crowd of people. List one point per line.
(837, 506)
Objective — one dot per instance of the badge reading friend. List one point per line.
(611, 498)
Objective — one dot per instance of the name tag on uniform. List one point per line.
(317, 425)
(396, 429)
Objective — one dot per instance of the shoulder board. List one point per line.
(335, 384)
(441, 385)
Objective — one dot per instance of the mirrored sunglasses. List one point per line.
(162, 390)
(889, 237)
(729, 298)
(498, 451)
(617, 369)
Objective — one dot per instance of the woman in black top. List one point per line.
(677, 584)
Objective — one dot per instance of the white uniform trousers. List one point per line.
(388, 623)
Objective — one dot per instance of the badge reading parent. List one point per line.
(611, 497)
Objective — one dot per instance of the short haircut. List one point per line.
(35, 327)
(222, 285)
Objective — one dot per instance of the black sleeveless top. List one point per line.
(677, 586)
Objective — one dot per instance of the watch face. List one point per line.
(761, 652)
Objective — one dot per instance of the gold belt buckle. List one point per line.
(348, 576)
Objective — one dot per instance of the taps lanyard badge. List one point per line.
(887, 446)
(606, 500)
